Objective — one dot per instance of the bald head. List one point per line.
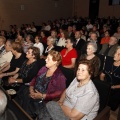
(3, 102)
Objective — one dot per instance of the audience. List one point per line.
(109, 48)
(80, 28)
(74, 103)
(69, 54)
(111, 74)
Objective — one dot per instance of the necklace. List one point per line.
(112, 71)
(48, 49)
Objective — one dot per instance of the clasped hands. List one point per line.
(35, 94)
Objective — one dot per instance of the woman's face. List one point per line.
(8, 46)
(107, 34)
(53, 34)
(49, 62)
(117, 55)
(36, 39)
(82, 72)
(90, 50)
(68, 43)
(27, 38)
(49, 42)
(62, 35)
(29, 54)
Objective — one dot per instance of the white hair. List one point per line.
(94, 45)
(3, 102)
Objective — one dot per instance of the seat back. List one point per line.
(104, 92)
(69, 74)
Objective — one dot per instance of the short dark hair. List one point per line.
(72, 40)
(88, 64)
(35, 52)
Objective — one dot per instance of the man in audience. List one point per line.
(5, 114)
(79, 42)
(70, 31)
(2, 44)
(109, 49)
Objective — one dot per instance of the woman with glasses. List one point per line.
(111, 74)
(69, 54)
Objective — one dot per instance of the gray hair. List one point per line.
(51, 39)
(94, 45)
(116, 40)
(3, 102)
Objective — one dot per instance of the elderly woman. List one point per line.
(75, 104)
(69, 54)
(16, 62)
(47, 85)
(111, 74)
(28, 43)
(50, 46)
(91, 49)
(28, 69)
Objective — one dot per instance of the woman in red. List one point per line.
(106, 37)
(69, 54)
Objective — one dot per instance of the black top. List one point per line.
(28, 72)
(112, 73)
(16, 63)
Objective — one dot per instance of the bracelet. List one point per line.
(16, 81)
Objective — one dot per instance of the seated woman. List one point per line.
(50, 46)
(6, 57)
(38, 44)
(62, 40)
(91, 49)
(106, 37)
(69, 54)
(28, 43)
(28, 69)
(80, 101)
(47, 85)
(111, 74)
(16, 62)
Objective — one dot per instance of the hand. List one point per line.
(36, 95)
(60, 103)
(11, 80)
